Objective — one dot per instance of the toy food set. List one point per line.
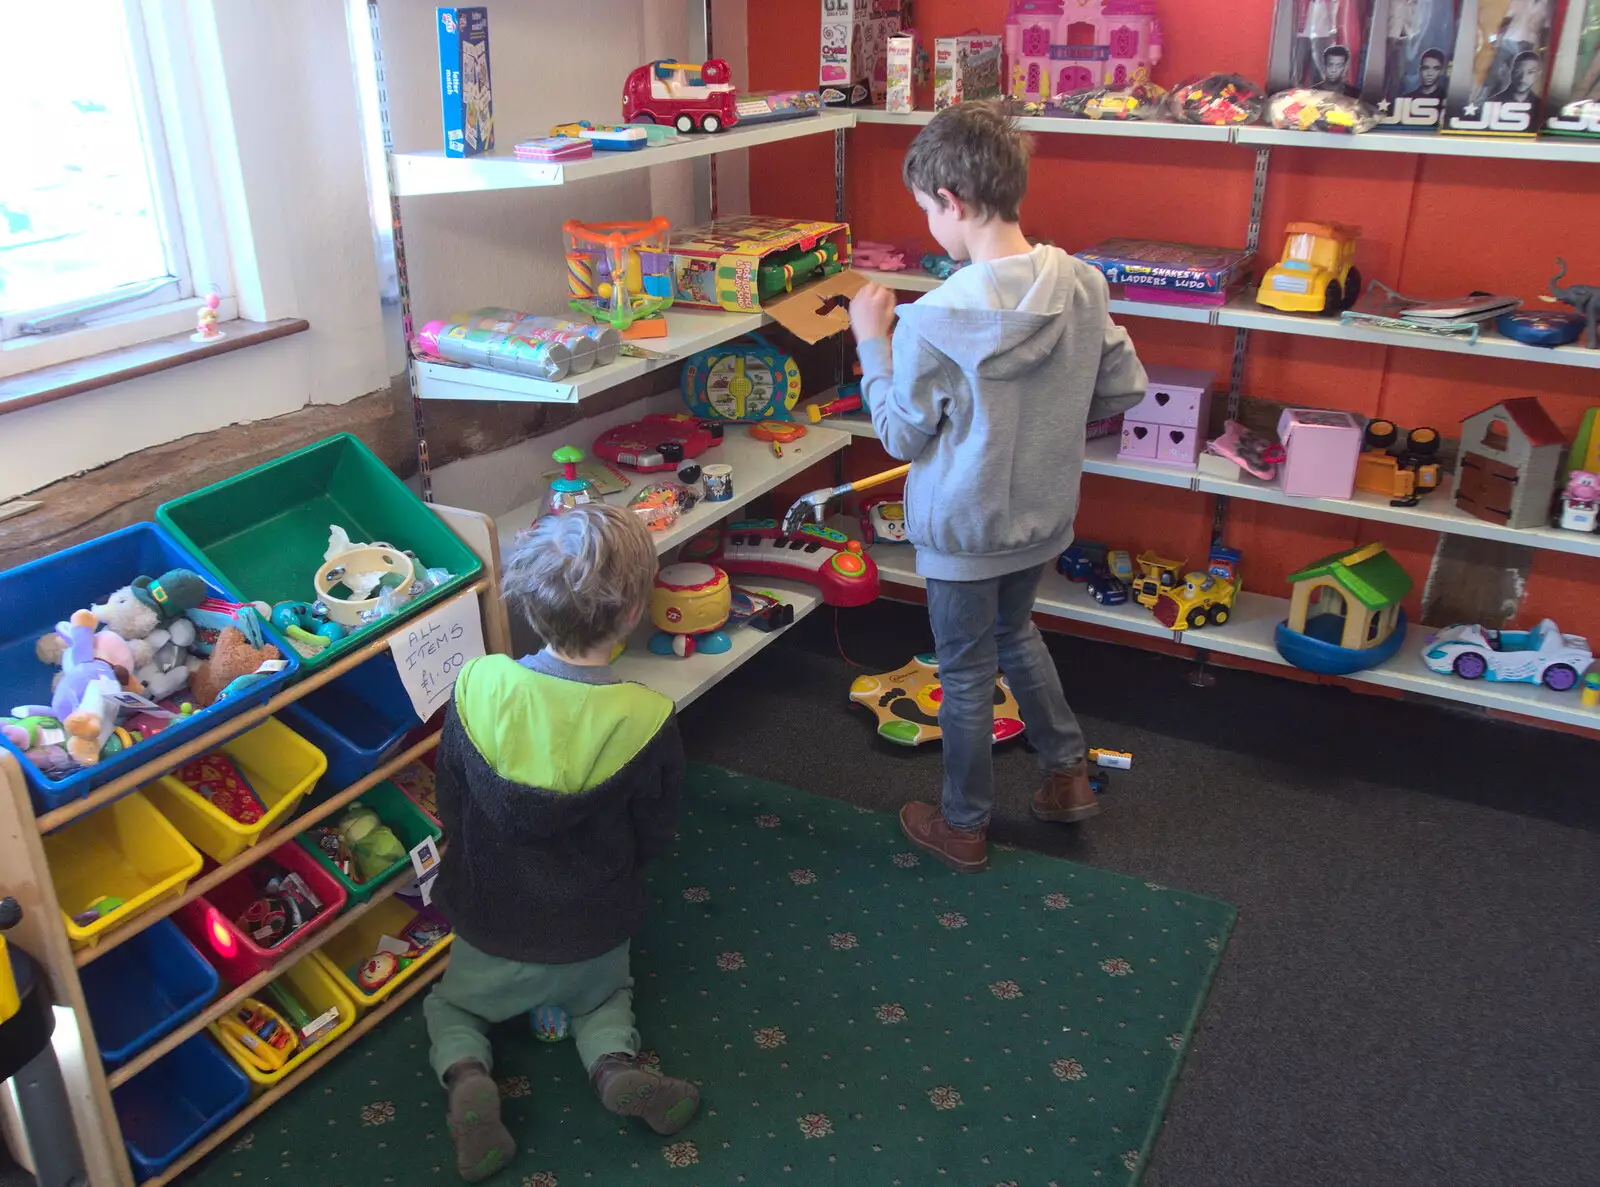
(855, 42)
(1317, 273)
(1217, 100)
(1412, 67)
(1169, 425)
(684, 95)
(1542, 655)
(1574, 108)
(1245, 450)
(1321, 447)
(619, 272)
(824, 557)
(554, 149)
(1130, 101)
(465, 93)
(900, 74)
(689, 605)
(1499, 71)
(743, 262)
(1403, 466)
(747, 380)
(661, 504)
(1584, 298)
(767, 107)
(1176, 273)
(1055, 46)
(1307, 110)
(966, 69)
(906, 703)
(1320, 45)
(590, 344)
(97, 677)
(1345, 614)
(1511, 457)
(1202, 599)
(658, 442)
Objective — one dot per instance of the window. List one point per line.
(89, 223)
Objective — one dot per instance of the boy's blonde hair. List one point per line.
(978, 153)
(582, 578)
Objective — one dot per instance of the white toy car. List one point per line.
(1542, 654)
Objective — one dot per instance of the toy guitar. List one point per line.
(820, 556)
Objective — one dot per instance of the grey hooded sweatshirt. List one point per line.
(986, 391)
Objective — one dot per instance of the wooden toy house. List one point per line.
(1345, 614)
(1511, 456)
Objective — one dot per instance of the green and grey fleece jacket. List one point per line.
(556, 784)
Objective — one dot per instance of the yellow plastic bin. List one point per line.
(315, 988)
(126, 850)
(346, 952)
(280, 765)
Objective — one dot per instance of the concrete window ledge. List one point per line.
(46, 384)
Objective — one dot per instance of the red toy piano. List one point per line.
(820, 556)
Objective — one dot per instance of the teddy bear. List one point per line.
(233, 664)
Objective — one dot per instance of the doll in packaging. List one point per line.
(1419, 37)
(1574, 107)
(1329, 45)
(1498, 76)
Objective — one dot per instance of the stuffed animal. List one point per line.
(164, 662)
(137, 609)
(127, 615)
(40, 740)
(82, 698)
(233, 664)
(370, 841)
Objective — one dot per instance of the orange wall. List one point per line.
(1431, 225)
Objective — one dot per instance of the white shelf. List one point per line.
(1249, 634)
(1243, 313)
(1137, 129)
(431, 172)
(913, 280)
(1427, 143)
(756, 470)
(897, 564)
(685, 679)
(688, 331)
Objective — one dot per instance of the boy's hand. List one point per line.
(872, 313)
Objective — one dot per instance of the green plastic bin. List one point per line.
(396, 809)
(264, 532)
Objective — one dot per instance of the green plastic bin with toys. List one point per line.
(368, 858)
(265, 533)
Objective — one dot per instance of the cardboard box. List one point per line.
(1574, 107)
(1500, 68)
(1321, 45)
(465, 94)
(1323, 447)
(718, 266)
(855, 44)
(902, 67)
(966, 69)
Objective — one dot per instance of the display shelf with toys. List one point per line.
(1543, 149)
(431, 172)
(1139, 129)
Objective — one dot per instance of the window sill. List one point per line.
(32, 388)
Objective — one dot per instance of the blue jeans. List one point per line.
(979, 628)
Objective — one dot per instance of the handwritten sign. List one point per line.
(431, 650)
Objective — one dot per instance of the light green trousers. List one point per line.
(478, 990)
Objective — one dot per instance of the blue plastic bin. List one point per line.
(143, 990)
(176, 1101)
(37, 595)
(357, 721)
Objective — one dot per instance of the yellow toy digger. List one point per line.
(1317, 273)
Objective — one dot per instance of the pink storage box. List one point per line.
(1323, 447)
(1176, 396)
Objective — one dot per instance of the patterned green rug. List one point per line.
(853, 1012)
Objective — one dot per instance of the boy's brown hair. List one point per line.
(978, 153)
(582, 578)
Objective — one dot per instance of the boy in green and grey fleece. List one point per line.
(556, 783)
(986, 388)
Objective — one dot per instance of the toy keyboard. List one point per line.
(820, 556)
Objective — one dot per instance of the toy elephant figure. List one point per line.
(1585, 298)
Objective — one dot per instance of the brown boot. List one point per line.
(1066, 795)
(924, 826)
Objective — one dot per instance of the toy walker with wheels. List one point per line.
(619, 273)
(689, 606)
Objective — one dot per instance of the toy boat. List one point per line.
(1317, 649)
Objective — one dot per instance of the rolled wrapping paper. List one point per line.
(585, 352)
(498, 352)
(607, 339)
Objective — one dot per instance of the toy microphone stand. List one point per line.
(28, 1062)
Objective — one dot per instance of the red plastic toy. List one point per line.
(658, 442)
(688, 97)
(831, 561)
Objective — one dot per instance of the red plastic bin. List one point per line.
(208, 921)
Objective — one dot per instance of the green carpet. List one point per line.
(854, 1013)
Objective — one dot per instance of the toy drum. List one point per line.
(690, 599)
(370, 559)
(718, 480)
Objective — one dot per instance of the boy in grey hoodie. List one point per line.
(986, 389)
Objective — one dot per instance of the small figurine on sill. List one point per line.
(1580, 502)
(205, 329)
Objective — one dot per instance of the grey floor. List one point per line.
(1412, 993)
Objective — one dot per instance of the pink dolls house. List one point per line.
(1056, 46)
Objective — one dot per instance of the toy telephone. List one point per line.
(749, 380)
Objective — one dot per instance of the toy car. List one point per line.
(1082, 560)
(1317, 273)
(1119, 562)
(1108, 589)
(1541, 655)
(687, 96)
(1156, 573)
(1204, 599)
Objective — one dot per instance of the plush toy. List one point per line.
(40, 740)
(233, 665)
(125, 614)
(164, 663)
(370, 841)
(170, 594)
(82, 699)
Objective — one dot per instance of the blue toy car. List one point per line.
(1082, 560)
(1107, 589)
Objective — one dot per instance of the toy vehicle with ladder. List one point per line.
(682, 95)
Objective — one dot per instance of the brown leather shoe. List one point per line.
(924, 826)
(1066, 796)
